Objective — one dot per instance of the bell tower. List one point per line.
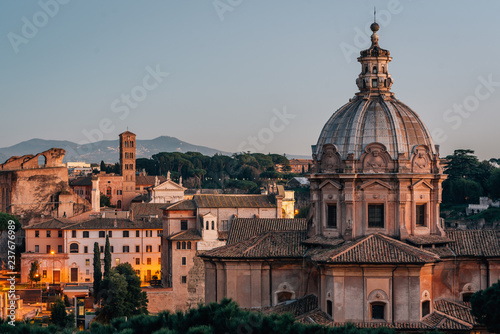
(127, 166)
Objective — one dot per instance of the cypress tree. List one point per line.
(97, 272)
(107, 258)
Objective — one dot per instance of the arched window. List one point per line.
(426, 308)
(383, 69)
(73, 248)
(466, 296)
(126, 144)
(131, 155)
(374, 71)
(206, 225)
(178, 245)
(213, 224)
(126, 155)
(119, 204)
(283, 296)
(189, 244)
(364, 84)
(131, 144)
(108, 191)
(183, 245)
(366, 69)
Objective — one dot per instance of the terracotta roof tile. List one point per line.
(234, 201)
(274, 244)
(296, 307)
(474, 242)
(392, 325)
(186, 204)
(428, 240)
(316, 317)
(56, 223)
(109, 223)
(191, 234)
(441, 321)
(376, 248)
(147, 209)
(148, 180)
(245, 228)
(320, 240)
(81, 181)
(456, 310)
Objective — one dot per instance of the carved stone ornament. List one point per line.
(330, 159)
(421, 162)
(376, 159)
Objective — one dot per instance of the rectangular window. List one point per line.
(149, 248)
(148, 261)
(44, 274)
(37, 234)
(183, 261)
(331, 216)
(159, 260)
(59, 234)
(85, 249)
(138, 272)
(118, 192)
(137, 261)
(111, 249)
(184, 225)
(101, 249)
(85, 234)
(117, 261)
(125, 249)
(183, 279)
(87, 262)
(376, 215)
(159, 248)
(48, 234)
(102, 234)
(110, 234)
(59, 249)
(48, 249)
(378, 311)
(125, 234)
(73, 234)
(137, 234)
(37, 249)
(87, 272)
(137, 249)
(158, 233)
(420, 215)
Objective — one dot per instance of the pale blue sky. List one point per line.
(229, 70)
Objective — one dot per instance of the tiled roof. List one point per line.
(245, 228)
(474, 242)
(191, 234)
(320, 240)
(441, 321)
(296, 307)
(55, 223)
(392, 325)
(81, 181)
(316, 317)
(223, 235)
(109, 223)
(428, 240)
(234, 201)
(147, 209)
(186, 204)
(148, 180)
(456, 310)
(376, 248)
(274, 244)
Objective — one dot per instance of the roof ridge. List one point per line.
(348, 248)
(453, 302)
(399, 243)
(259, 238)
(452, 318)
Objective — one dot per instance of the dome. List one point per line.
(364, 121)
(374, 115)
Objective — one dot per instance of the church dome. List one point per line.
(374, 114)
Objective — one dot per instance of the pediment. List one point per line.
(332, 183)
(169, 185)
(209, 215)
(376, 184)
(422, 184)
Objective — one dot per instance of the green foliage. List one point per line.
(97, 272)
(486, 307)
(121, 294)
(104, 201)
(33, 274)
(490, 215)
(107, 257)
(4, 221)
(218, 171)
(494, 183)
(58, 314)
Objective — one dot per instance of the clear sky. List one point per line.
(237, 69)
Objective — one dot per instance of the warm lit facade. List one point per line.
(375, 251)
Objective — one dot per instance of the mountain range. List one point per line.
(104, 150)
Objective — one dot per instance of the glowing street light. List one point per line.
(52, 252)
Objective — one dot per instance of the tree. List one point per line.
(494, 183)
(33, 274)
(104, 201)
(486, 307)
(137, 300)
(103, 166)
(97, 272)
(58, 314)
(113, 292)
(107, 257)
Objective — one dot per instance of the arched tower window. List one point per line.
(374, 71)
(366, 69)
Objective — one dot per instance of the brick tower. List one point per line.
(127, 166)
